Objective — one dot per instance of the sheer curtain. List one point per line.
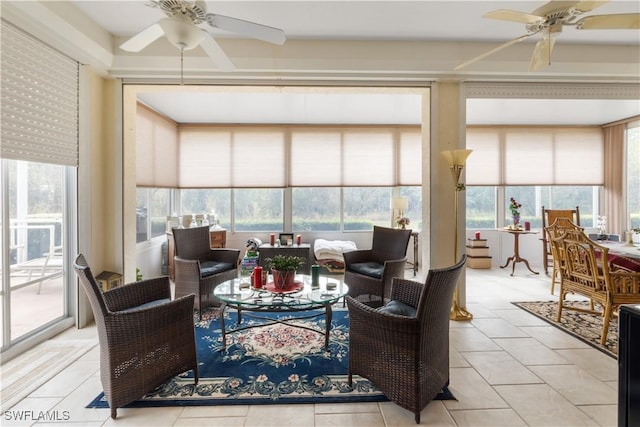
(613, 179)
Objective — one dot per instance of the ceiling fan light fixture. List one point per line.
(183, 35)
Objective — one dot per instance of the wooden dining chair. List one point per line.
(549, 216)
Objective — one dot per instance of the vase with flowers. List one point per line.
(402, 222)
(514, 207)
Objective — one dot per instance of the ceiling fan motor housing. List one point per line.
(195, 11)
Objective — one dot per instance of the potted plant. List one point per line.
(283, 268)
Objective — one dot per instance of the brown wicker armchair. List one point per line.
(406, 355)
(588, 272)
(369, 271)
(198, 268)
(145, 337)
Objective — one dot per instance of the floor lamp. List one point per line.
(456, 160)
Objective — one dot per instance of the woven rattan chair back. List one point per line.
(192, 243)
(390, 243)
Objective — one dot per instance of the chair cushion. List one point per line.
(209, 268)
(371, 269)
(624, 262)
(399, 308)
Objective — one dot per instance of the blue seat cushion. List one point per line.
(370, 268)
(209, 268)
(399, 308)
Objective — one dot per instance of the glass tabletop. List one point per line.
(239, 293)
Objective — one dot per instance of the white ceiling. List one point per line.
(416, 21)
(450, 20)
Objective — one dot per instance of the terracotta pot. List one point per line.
(283, 279)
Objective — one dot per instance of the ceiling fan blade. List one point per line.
(513, 15)
(247, 28)
(621, 21)
(215, 52)
(554, 6)
(587, 5)
(494, 50)
(542, 52)
(143, 39)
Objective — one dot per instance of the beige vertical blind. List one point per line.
(535, 156)
(156, 150)
(39, 104)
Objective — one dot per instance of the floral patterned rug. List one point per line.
(279, 363)
(584, 326)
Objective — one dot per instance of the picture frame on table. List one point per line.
(286, 239)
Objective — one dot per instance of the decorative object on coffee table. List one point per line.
(284, 268)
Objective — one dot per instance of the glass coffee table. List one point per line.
(302, 297)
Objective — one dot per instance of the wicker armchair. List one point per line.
(587, 272)
(557, 229)
(405, 356)
(198, 268)
(145, 337)
(369, 271)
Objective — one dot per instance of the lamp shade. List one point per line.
(456, 157)
(400, 203)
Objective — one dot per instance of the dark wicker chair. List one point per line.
(369, 271)
(145, 337)
(406, 356)
(198, 268)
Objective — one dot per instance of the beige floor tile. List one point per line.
(346, 408)
(540, 405)
(598, 364)
(67, 380)
(499, 367)
(79, 397)
(605, 415)
(434, 414)
(456, 360)
(487, 418)
(576, 385)
(470, 339)
(362, 419)
(280, 415)
(479, 311)
(472, 391)
(498, 328)
(529, 351)
(518, 317)
(145, 417)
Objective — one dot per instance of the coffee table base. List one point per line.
(328, 313)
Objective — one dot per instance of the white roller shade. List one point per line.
(39, 104)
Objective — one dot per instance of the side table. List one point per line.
(516, 249)
(302, 250)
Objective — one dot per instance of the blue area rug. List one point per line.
(277, 364)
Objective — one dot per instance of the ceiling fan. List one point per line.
(182, 30)
(549, 19)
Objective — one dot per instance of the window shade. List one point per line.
(535, 156)
(220, 157)
(156, 150)
(39, 107)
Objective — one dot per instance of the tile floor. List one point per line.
(508, 368)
